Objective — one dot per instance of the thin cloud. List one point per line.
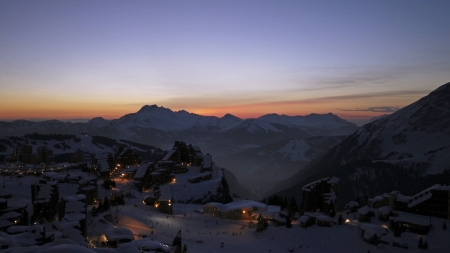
(385, 109)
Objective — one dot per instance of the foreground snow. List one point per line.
(204, 233)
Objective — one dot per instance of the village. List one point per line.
(182, 203)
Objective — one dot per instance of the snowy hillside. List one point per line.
(406, 151)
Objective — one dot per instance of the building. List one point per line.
(413, 223)
(143, 177)
(164, 202)
(239, 209)
(433, 201)
(201, 177)
(207, 163)
(44, 197)
(320, 196)
(116, 236)
(73, 209)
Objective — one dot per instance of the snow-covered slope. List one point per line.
(405, 151)
(416, 134)
(313, 120)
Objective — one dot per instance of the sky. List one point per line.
(357, 59)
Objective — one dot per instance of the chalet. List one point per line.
(379, 201)
(306, 221)
(324, 221)
(384, 213)
(13, 217)
(239, 209)
(103, 169)
(130, 171)
(364, 214)
(373, 234)
(116, 236)
(320, 195)
(352, 207)
(164, 203)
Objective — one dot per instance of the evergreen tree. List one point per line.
(177, 242)
(106, 204)
(340, 219)
(288, 221)
(261, 223)
(100, 208)
(420, 246)
(425, 245)
(444, 227)
(292, 208)
(185, 248)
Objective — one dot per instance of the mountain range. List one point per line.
(261, 149)
(406, 151)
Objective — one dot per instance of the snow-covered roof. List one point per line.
(5, 223)
(115, 234)
(324, 218)
(364, 210)
(238, 204)
(303, 218)
(15, 207)
(147, 244)
(370, 230)
(73, 217)
(352, 204)
(411, 218)
(10, 215)
(23, 229)
(103, 165)
(206, 173)
(140, 172)
(166, 193)
(385, 210)
(169, 154)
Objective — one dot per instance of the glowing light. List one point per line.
(243, 211)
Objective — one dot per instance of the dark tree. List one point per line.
(444, 227)
(261, 224)
(177, 242)
(292, 207)
(340, 219)
(425, 245)
(100, 208)
(106, 204)
(288, 221)
(420, 246)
